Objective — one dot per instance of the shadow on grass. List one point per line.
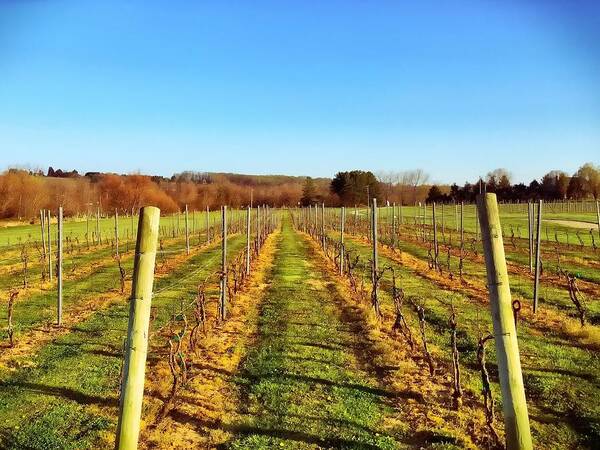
(282, 378)
(54, 391)
(278, 433)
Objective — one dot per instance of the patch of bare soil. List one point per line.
(572, 223)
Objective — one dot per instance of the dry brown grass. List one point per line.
(210, 398)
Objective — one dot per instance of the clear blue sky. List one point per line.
(457, 88)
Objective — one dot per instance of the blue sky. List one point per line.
(457, 88)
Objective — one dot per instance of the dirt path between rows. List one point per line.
(196, 417)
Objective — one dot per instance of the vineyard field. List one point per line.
(301, 360)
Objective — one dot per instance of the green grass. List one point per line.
(40, 308)
(561, 378)
(303, 383)
(70, 396)
(75, 227)
(302, 388)
(508, 217)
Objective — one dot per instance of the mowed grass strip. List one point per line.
(38, 309)
(69, 399)
(301, 385)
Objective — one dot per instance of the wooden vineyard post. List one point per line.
(248, 240)
(394, 226)
(530, 234)
(98, 241)
(462, 225)
(435, 238)
(423, 220)
(116, 233)
(207, 225)
(514, 404)
(536, 283)
(323, 225)
(388, 216)
(258, 225)
(136, 346)
(598, 216)
(375, 267)
(342, 221)
(42, 221)
(187, 231)
(316, 220)
(223, 297)
(456, 215)
(477, 226)
(59, 257)
(443, 225)
(49, 246)
(193, 227)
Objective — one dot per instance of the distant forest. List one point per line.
(24, 192)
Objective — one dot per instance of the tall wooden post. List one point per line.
(49, 246)
(456, 215)
(342, 222)
(443, 225)
(536, 283)
(435, 237)
(375, 265)
(598, 216)
(98, 240)
(42, 222)
(258, 225)
(316, 220)
(248, 239)
(187, 231)
(477, 226)
(132, 389)
(514, 404)
(400, 213)
(116, 233)
(394, 226)
(388, 216)
(223, 299)
(530, 234)
(462, 225)
(59, 258)
(207, 225)
(323, 225)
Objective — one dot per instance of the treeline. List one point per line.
(357, 187)
(24, 192)
(555, 185)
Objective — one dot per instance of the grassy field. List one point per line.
(13, 233)
(301, 362)
(560, 225)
